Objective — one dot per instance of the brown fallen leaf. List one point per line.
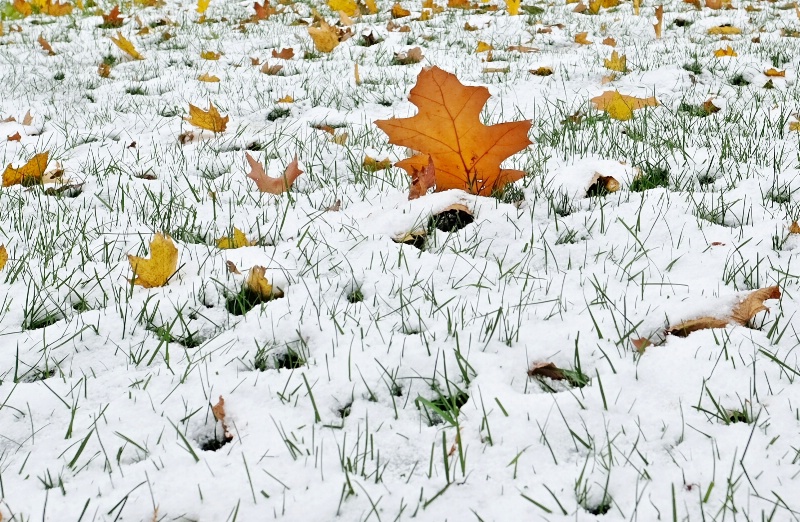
(794, 228)
(28, 119)
(409, 56)
(219, 414)
(46, 46)
(231, 267)
(741, 313)
(271, 70)
(422, 180)
(14, 137)
(266, 183)
(29, 173)
(541, 71)
(284, 54)
(336, 207)
(522, 49)
(546, 369)
(659, 21)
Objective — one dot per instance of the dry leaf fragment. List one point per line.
(125, 45)
(336, 207)
(794, 228)
(113, 19)
(774, 73)
(467, 154)
(210, 120)
(541, 71)
(210, 55)
(546, 369)
(659, 21)
(14, 137)
(727, 51)
(373, 165)
(409, 56)
(284, 54)
(271, 70)
(231, 267)
(104, 70)
(266, 183)
(28, 174)
(522, 49)
(709, 106)
(235, 240)
(422, 180)
(27, 119)
(483, 47)
(741, 314)
(219, 414)
(257, 283)
(3, 256)
(209, 78)
(263, 11)
(609, 42)
(157, 270)
(46, 46)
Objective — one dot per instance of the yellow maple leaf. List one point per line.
(372, 7)
(616, 62)
(236, 240)
(3, 256)
(126, 45)
(399, 12)
(23, 7)
(775, 73)
(325, 37)
(349, 7)
(210, 55)
(206, 77)
(582, 38)
(724, 29)
(728, 51)
(483, 47)
(157, 270)
(286, 99)
(202, 5)
(512, 6)
(27, 174)
(621, 106)
(55, 9)
(210, 120)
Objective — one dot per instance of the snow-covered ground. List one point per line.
(391, 382)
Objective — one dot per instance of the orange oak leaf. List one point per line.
(447, 130)
(741, 313)
(266, 183)
(157, 270)
(210, 120)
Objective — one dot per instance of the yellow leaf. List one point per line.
(774, 73)
(357, 75)
(371, 164)
(210, 55)
(163, 262)
(325, 37)
(202, 5)
(23, 7)
(126, 45)
(399, 12)
(620, 106)
(257, 283)
(581, 38)
(513, 7)
(3, 256)
(728, 51)
(372, 7)
(541, 71)
(724, 29)
(286, 99)
(794, 126)
(617, 62)
(483, 47)
(27, 174)
(349, 7)
(206, 77)
(210, 120)
(238, 240)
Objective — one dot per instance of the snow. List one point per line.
(105, 408)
